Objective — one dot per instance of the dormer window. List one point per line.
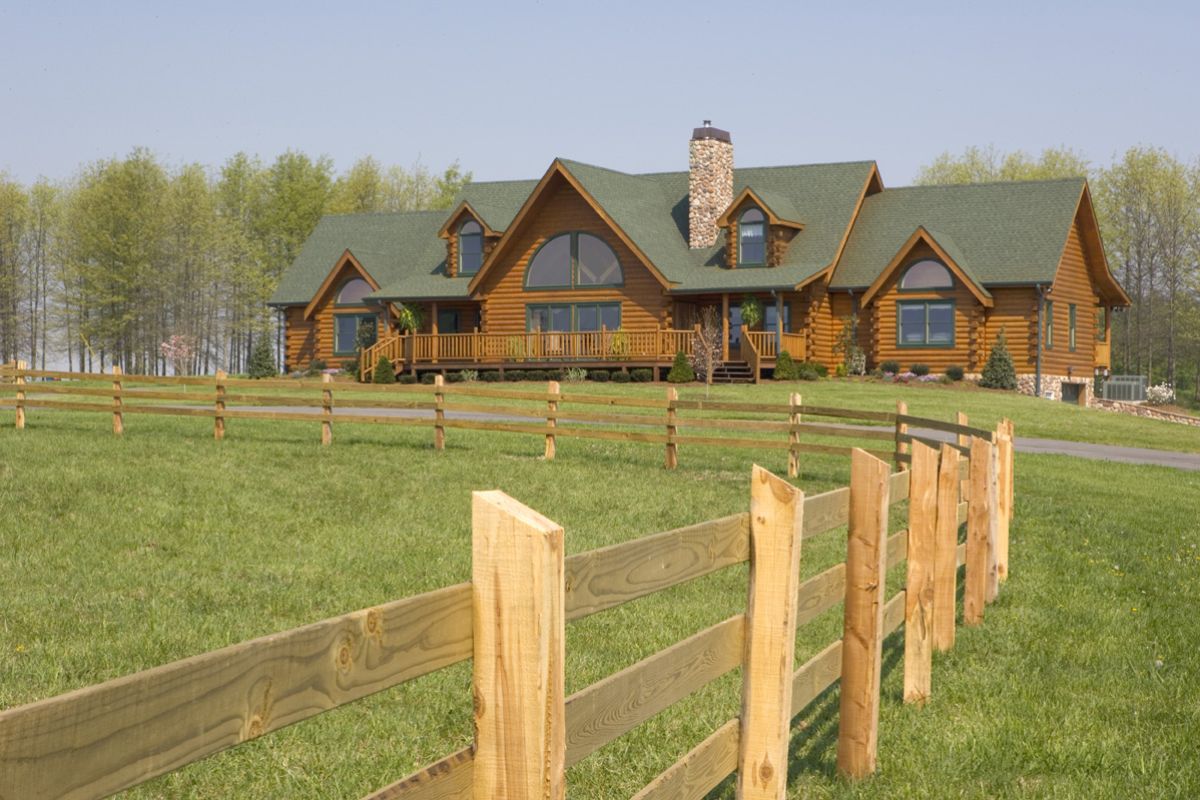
(926, 275)
(752, 238)
(470, 247)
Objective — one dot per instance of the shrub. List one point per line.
(598, 375)
(621, 377)
(822, 370)
(468, 375)
(428, 377)
(350, 367)
(681, 370)
(999, 372)
(316, 366)
(642, 375)
(842, 371)
(785, 367)
(807, 372)
(1160, 395)
(954, 372)
(406, 378)
(262, 359)
(536, 375)
(920, 370)
(384, 373)
(491, 376)
(890, 365)
(513, 375)
(575, 375)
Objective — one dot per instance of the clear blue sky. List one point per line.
(506, 86)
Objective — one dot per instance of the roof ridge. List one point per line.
(766, 167)
(1023, 182)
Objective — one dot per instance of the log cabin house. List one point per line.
(592, 267)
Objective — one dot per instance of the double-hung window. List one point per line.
(925, 323)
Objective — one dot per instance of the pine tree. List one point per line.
(785, 367)
(262, 359)
(681, 370)
(384, 373)
(999, 372)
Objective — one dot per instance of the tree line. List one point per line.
(129, 255)
(1148, 203)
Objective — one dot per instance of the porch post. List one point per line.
(778, 323)
(725, 326)
(434, 329)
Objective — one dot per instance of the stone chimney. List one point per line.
(710, 182)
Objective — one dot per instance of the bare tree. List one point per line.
(708, 346)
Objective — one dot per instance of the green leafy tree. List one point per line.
(262, 359)
(384, 372)
(999, 372)
(986, 164)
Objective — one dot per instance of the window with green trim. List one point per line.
(563, 317)
(1049, 316)
(352, 292)
(924, 275)
(925, 323)
(470, 247)
(574, 260)
(345, 332)
(752, 238)
(1071, 327)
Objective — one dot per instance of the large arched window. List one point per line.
(574, 260)
(752, 238)
(353, 291)
(470, 247)
(926, 274)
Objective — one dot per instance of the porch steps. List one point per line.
(733, 372)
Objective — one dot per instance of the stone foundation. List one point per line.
(1143, 410)
(1052, 387)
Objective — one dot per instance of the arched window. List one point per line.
(574, 260)
(470, 247)
(926, 274)
(752, 239)
(353, 291)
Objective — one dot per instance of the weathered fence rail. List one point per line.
(510, 620)
(558, 413)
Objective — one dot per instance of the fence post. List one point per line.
(439, 413)
(118, 403)
(979, 515)
(20, 380)
(776, 517)
(993, 525)
(671, 460)
(945, 556)
(1004, 445)
(901, 430)
(963, 441)
(794, 436)
(326, 409)
(219, 406)
(519, 620)
(552, 389)
(919, 586)
(862, 636)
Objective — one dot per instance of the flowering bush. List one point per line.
(1160, 395)
(903, 377)
(927, 378)
(178, 350)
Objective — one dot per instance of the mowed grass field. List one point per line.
(118, 555)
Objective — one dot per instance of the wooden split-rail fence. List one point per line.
(552, 413)
(510, 620)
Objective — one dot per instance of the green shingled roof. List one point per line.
(1001, 233)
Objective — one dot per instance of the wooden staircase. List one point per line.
(733, 372)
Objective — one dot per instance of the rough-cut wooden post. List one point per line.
(794, 436)
(518, 625)
(862, 637)
(1004, 446)
(118, 403)
(671, 460)
(993, 529)
(776, 517)
(901, 430)
(919, 587)
(552, 389)
(963, 441)
(945, 556)
(20, 380)
(978, 522)
(439, 413)
(326, 409)
(219, 407)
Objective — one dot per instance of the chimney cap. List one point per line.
(709, 132)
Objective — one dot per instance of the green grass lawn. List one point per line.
(122, 554)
